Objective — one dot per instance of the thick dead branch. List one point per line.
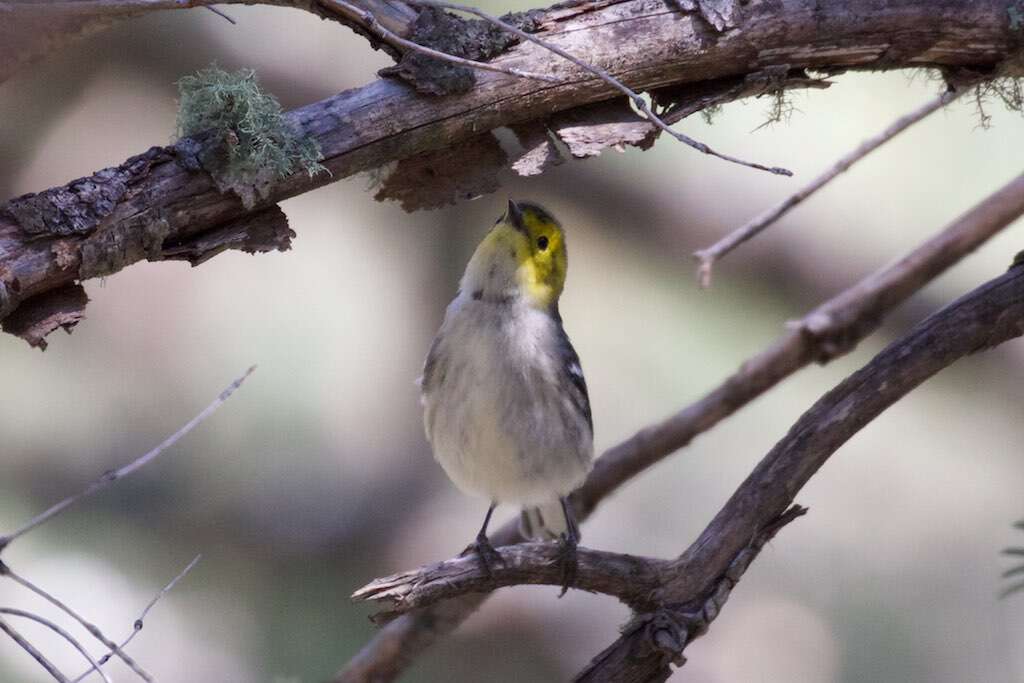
(831, 330)
(987, 317)
(646, 45)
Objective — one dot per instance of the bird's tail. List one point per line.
(544, 522)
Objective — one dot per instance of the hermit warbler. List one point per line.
(505, 404)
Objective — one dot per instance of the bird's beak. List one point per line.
(514, 216)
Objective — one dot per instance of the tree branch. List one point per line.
(831, 330)
(709, 256)
(96, 226)
(629, 578)
(988, 316)
(59, 631)
(28, 647)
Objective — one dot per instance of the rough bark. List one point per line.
(648, 44)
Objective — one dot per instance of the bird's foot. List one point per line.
(489, 557)
(567, 544)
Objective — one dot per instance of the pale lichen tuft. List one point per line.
(254, 142)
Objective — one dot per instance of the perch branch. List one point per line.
(629, 578)
(161, 203)
(831, 330)
(986, 317)
(709, 256)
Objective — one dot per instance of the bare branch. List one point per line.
(669, 629)
(56, 629)
(32, 650)
(635, 97)
(139, 623)
(709, 256)
(93, 630)
(112, 476)
(831, 330)
(988, 316)
(223, 15)
(629, 578)
(164, 201)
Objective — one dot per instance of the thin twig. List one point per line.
(113, 475)
(370, 22)
(221, 14)
(832, 329)
(635, 97)
(139, 623)
(93, 630)
(32, 650)
(56, 629)
(709, 256)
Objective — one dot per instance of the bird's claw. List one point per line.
(489, 557)
(567, 544)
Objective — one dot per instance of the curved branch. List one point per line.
(831, 330)
(629, 578)
(155, 200)
(990, 315)
(59, 631)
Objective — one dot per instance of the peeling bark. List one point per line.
(648, 44)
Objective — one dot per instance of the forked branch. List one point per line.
(831, 330)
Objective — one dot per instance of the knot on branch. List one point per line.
(835, 333)
(662, 632)
(473, 39)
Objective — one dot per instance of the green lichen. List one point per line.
(257, 143)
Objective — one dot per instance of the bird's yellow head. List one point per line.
(522, 257)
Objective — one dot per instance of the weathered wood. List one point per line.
(647, 43)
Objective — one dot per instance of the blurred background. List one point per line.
(315, 477)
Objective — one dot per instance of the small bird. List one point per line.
(505, 404)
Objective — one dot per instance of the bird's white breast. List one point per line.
(499, 423)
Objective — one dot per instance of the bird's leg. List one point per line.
(482, 546)
(567, 547)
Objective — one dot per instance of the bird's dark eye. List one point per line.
(542, 242)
